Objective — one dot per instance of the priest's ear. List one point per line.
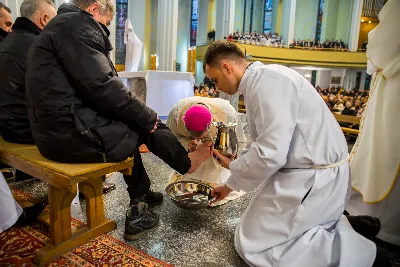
(227, 67)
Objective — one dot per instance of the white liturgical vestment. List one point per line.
(10, 210)
(375, 159)
(299, 162)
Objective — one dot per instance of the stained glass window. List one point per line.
(319, 20)
(267, 16)
(193, 23)
(121, 16)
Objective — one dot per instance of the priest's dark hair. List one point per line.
(222, 50)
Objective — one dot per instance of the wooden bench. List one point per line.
(62, 182)
(348, 119)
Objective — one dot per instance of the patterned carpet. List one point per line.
(19, 244)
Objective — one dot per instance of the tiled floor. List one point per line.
(183, 238)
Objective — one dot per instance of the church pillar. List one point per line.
(288, 19)
(167, 34)
(202, 22)
(355, 25)
(225, 18)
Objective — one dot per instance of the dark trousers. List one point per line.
(163, 144)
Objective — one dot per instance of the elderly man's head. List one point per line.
(39, 12)
(357, 103)
(348, 104)
(102, 10)
(5, 18)
(198, 121)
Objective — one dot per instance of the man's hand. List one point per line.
(192, 145)
(155, 127)
(220, 193)
(224, 160)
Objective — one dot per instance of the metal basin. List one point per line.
(189, 195)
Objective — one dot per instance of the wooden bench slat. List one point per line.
(347, 118)
(30, 153)
(350, 130)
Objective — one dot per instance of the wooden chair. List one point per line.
(348, 119)
(62, 182)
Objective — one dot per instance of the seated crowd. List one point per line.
(351, 103)
(314, 45)
(206, 91)
(253, 38)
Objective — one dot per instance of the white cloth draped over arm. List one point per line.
(272, 104)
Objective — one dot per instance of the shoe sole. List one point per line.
(137, 236)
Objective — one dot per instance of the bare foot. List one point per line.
(197, 157)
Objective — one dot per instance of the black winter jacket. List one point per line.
(3, 34)
(79, 110)
(14, 123)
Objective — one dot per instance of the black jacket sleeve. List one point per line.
(83, 54)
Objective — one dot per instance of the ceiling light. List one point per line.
(362, 20)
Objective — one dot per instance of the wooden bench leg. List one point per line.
(60, 214)
(62, 240)
(93, 192)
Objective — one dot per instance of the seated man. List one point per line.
(81, 112)
(14, 123)
(191, 122)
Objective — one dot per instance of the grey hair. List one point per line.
(29, 7)
(3, 6)
(105, 5)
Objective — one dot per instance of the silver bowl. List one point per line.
(190, 195)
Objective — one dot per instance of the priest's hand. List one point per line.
(220, 193)
(224, 160)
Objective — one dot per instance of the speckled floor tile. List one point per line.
(183, 238)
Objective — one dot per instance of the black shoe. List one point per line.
(21, 176)
(367, 226)
(139, 220)
(30, 214)
(382, 258)
(153, 199)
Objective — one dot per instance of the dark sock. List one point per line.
(30, 214)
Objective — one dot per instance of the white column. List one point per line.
(288, 20)
(202, 22)
(355, 25)
(362, 80)
(167, 33)
(292, 19)
(225, 18)
(14, 6)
